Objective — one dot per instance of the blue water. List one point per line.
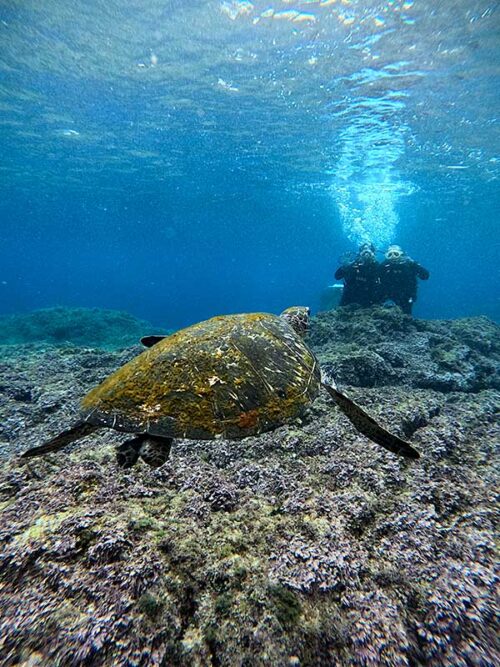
(183, 159)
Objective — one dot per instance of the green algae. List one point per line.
(450, 356)
(6, 503)
(150, 605)
(43, 525)
(223, 604)
(287, 605)
(142, 524)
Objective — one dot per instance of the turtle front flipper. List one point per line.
(149, 341)
(369, 427)
(79, 430)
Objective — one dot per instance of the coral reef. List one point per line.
(305, 546)
(88, 327)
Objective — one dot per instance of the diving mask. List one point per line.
(394, 252)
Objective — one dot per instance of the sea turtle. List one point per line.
(229, 377)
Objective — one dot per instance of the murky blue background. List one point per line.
(183, 159)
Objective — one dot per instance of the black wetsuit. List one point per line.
(361, 283)
(398, 282)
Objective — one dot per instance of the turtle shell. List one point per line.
(230, 376)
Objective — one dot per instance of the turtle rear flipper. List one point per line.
(369, 427)
(127, 454)
(79, 430)
(155, 451)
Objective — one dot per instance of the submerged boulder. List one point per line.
(381, 346)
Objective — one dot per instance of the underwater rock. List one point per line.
(88, 327)
(308, 545)
(378, 346)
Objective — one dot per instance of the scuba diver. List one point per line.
(398, 278)
(361, 278)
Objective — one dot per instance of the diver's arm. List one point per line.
(340, 273)
(422, 273)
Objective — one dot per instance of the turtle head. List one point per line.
(298, 318)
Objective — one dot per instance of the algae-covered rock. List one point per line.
(307, 545)
(379, 346)
(88, 327)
